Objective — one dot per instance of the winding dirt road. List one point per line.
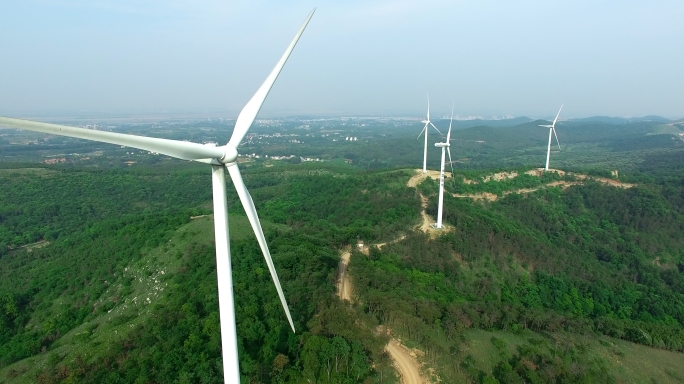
(427, 222)
(420, 176)
(404, 361)
(406, 364)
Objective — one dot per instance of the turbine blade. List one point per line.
(421, 132)
(428, 113)
(251, 109)
(174, 148)
(451, 163)
(433, 126)
(558, 142)
(450, 121)
(250, 210)
(554, 120)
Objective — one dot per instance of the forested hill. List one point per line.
(562, 283)
(128, 292)
(574, 267)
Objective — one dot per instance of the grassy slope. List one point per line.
(148, 283)
(628, 362)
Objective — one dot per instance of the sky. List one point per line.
(357, 57)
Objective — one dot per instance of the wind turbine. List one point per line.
(220, 159)
(444, 146)
(425, 129)
(552, 128)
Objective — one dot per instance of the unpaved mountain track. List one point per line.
(407, 365)
(420, 176)
(427, 223)
(343, 285)
(400, 238)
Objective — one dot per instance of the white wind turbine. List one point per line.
(425, 129)
(552, 128)
(444, 146)
(220, 158)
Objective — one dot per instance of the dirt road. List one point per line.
(427, 220)
(400, 238)
(405, 363)
(343, 285)
(426, 224)
(420, 176)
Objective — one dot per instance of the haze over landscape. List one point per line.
(490, 58)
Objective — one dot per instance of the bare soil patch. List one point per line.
(200, 216)
(400, 238)
(30, 247)
(420, 176)
(501, 176)
(483, 196)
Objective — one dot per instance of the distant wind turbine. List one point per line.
(425, 129)
(444, 146)
(552, 129)
(220, 158)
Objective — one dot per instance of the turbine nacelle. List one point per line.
(230, 154)
(442, 145)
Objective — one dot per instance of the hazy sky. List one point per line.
(618, 58)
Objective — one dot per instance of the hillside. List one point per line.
(554, 269)
(107, 273)
(120, 299)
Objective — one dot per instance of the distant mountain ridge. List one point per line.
(499, 123)
(569, 132)
(622, 120)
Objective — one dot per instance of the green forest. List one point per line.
(107, 274)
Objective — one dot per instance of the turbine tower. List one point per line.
(444, 146)
(220, 159)
(552, 129)
(425, 129)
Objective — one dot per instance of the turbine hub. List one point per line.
(230, 154)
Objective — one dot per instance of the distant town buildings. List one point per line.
(302, 159)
